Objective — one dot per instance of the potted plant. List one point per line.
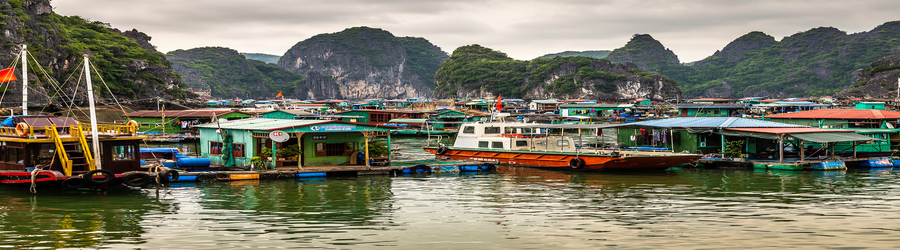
(259, 162)
(291, 152)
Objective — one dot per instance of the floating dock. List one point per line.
(396, 169)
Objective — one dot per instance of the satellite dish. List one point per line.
(279, 136)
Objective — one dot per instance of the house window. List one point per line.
(123, 153)
(497, 144)
(482, 144)
(334, 149)
(215, 147)
(238, 150)
(468, 130)
(379, 118)
(492, 130)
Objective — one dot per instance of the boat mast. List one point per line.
(94, 134)
(24, 81)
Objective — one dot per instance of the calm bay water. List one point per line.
(515, 208)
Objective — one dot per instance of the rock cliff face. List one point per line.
(477, 72)
(878, 81)
(228, 74)
(127, 62)
(645, 52)
(363, 63)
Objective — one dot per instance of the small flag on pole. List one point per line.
(279, 94)
(499, 104)
(7, 75)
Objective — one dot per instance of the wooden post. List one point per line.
(366, 136)
(274, 159)
(780, 149)
(854, 150)
(300, 149)
(802, 151)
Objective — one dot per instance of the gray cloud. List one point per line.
(524, 29)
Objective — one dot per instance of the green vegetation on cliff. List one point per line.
(229, 75)
(129, 66)
(599, 54)
(817, 62)
(475, 67)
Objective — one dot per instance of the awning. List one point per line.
(748, 134)
(833, 137)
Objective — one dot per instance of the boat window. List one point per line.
(562, 143)
(123, 153)
(527, 131)
(497, 144)
(14, 154)
(468, 130)
(482, 144)
(215, 147)
(491, 130)
(521, 143)
(509, 130)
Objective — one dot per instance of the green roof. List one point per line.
(261, 124)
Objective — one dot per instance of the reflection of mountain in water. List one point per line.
(71, 220)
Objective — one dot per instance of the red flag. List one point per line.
(279, 94)
(499, 104)
(7, 75)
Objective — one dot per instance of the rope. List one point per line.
(38, 169)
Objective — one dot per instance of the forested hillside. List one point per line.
(228, 74)
(128, 64)
(474, 71)
(599, 54)
(821, 61)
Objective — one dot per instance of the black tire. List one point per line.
(89, 176)
(487, 167)
(576, 163)
(222, 177)
(74, 183)
(395, 133)
(205, 177)
(136, 179)
(419, 134)
(164, 176)
(441, 151)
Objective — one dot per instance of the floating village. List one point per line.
(284, 138)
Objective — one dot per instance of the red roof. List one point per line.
(840, 114)
(711, 100)
(790, 130)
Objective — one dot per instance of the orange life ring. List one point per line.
(132, 126)
(22, 129)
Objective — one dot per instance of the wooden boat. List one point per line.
(532, 145)
(49, 151)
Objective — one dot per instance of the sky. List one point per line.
(523, 29)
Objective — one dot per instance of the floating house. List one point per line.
(875, 123)
(544, 105)
(321, 143)
(753, 141)
(593, 109)
(374, 117)
(450, 119)
(173, 121)
(711, 109)
(288, 114)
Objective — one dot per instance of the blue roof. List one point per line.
(713, 122)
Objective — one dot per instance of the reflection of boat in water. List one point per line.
(54, 151)
(533, 145)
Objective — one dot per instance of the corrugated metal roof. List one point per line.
(712, 122)
(595, 105)
(271, 124)
(839, 114)
(712, 105)
(790, 130)
(833, 137)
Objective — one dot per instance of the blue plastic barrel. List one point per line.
(193, 162)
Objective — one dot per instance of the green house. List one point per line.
(321, 143)
(870, 105)
(592, 109)
(875, 123)
(451, 118)
(289, 114)
(711, 109)
(379, 116)
(173, 121)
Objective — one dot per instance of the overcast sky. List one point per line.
(523, 29)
